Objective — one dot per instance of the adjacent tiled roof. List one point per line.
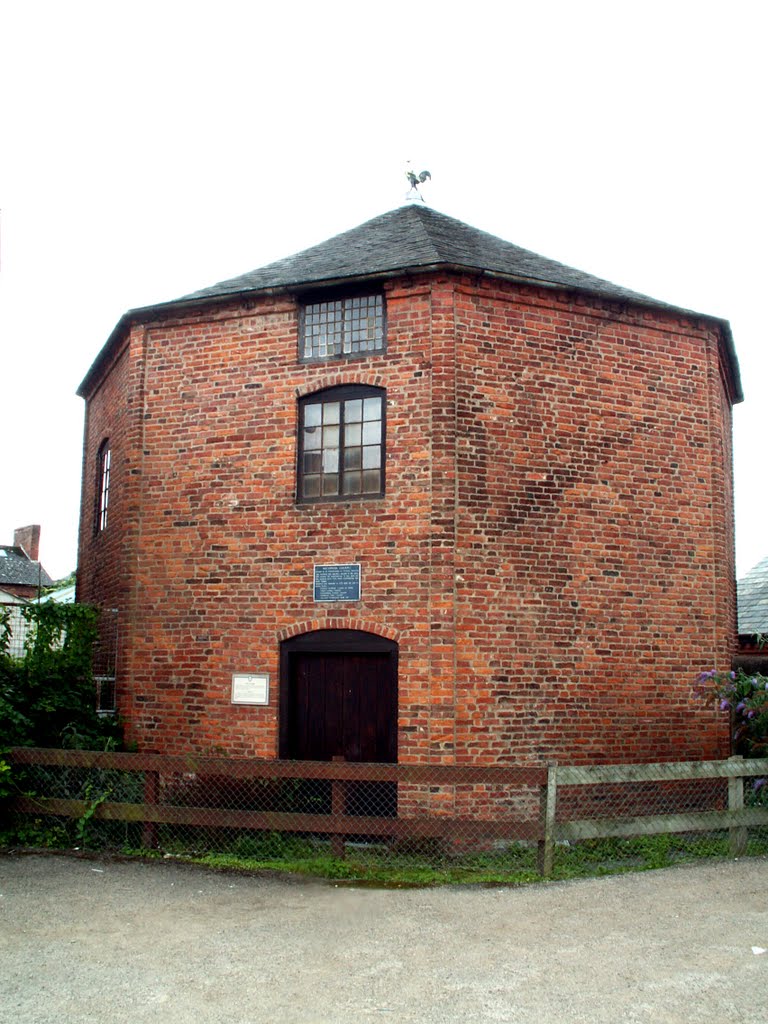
(410, 238)
(752, 597)
(17, 569)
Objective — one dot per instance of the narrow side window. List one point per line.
(103, 463)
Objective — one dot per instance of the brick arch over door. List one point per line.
(322, 622)
(338, 696)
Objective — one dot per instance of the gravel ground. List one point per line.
(106, 941)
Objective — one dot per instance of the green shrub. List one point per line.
(47, 697)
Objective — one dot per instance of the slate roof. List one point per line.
(752, 598)
(413, 237)
(16, 568)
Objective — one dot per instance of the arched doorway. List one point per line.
(338, 698)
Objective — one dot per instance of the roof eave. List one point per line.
(180, 306)
(105, 353)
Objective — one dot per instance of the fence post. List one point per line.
(338, 802)
(737, 834)
(548, 804)
(151, 796)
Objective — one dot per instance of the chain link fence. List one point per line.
(392, 821)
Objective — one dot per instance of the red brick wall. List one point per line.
(553, 554)
(20, 590)
(107, 559)
(594, 533)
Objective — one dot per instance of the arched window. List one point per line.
(103, 463)
(341, 444)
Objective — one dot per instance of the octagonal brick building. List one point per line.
(414, 494)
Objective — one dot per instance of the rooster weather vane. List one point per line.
(416, 180)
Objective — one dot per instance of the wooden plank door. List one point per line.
(342, 705)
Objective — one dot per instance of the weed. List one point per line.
(93, 800)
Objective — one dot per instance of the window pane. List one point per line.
(331, 460)
(312, 462)
(372, 432)
(312, 438)
(371, 481)
(353, 434)
(372, 456)
(331, 412)
(331, 483)
(352, 483)
(330, 437)
(372, 409)
(353, 411)
(311, 487)
(352, 458)
(312, 414)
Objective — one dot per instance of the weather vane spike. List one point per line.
(415, 180)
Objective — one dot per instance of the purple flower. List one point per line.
(751, 714)
(740, 706)
(725, 705)
(759, 783)
(732, 675)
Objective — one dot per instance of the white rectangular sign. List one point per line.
(250, 689)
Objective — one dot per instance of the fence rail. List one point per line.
(464, 807)
(246, 768)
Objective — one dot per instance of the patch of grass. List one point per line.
(391, 865)
(645, 853)
(373, 872)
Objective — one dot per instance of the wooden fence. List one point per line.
(736, 818)
(543, 826)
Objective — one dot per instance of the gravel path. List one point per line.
(113, 942)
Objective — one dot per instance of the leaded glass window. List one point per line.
(341, 444)
(349, 326)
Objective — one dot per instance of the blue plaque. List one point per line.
(337, 582)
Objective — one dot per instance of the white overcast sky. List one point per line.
(149, 149)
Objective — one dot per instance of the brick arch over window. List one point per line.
(341, 379)
(333, 621)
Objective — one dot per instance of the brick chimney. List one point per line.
(28, 538)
